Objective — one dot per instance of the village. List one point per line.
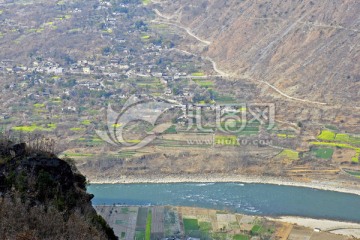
(138, 61)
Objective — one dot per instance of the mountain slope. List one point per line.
(305, 49)
(43, 197)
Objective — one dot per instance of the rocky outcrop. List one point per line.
(44, 197)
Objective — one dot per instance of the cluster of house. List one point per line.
(115, 68)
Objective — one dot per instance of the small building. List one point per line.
(86, 70)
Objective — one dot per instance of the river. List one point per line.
(251, 199)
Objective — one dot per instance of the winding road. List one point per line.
(186, 29)
(215, 67)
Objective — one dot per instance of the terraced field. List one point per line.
(329, 138)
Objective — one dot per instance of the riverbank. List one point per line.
(220, 178)
(337, 227)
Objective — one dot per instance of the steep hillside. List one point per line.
(306, 49)
(43, 197)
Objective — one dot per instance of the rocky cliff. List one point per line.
(44, 197)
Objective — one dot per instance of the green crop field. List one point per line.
(356, 158)
(256, 229)
(125, 154)
(342, 137)
(346, 138)
(86, 122)
(198, 74)
(331, 127)
(34, 127)
(125, 210)
(159, 26)
(281, 135)
(39, 105)
(205, 227)
(148, 226)
(331, 136)
(77, 129)
(204, 83)
(241, 237)
(332, 144)
(353, 173)
(171, 130)
(190, 225)
(220, 236)
(290, 154)
(324, 153)
(327, 135)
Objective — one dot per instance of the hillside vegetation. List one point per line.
(44, 197)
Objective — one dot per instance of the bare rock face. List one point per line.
(306, 49)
